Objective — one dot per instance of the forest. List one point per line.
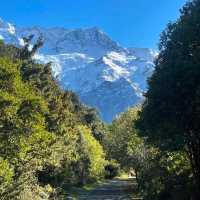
(50, 141)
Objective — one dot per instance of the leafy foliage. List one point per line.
(160, 174)
(45, 132)
(120, 133)
(170, 115)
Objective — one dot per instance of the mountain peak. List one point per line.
(104, 74)
(7, 27)
(90, 41)
(95, 30)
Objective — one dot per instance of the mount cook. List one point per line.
(104, 74)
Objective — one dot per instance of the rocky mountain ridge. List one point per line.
(104, 74)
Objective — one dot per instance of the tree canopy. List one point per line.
(46, 134)
(170, 116)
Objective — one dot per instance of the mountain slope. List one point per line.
(103, 73)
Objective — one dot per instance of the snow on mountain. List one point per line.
(7, 32)
(103, 73)
(91, 41)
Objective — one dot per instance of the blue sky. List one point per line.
(132, 23)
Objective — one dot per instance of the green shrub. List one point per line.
(112, 169)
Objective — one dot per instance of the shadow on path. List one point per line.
(116, 189)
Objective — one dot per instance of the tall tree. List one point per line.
(170, 117)
(45, 132)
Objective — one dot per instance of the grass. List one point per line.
(74, 192)
(123, 175)
(91, 186)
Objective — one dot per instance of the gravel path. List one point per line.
(112, 190)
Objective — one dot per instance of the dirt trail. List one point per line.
(112, 190)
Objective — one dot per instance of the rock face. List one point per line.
(104, 74)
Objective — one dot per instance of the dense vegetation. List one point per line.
(170, 117)
(47, 137)
(161, 175)
(49, 141)
(161, 141)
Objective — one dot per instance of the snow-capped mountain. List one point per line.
(103, 73)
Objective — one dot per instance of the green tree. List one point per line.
(120, 133)
(170, 116)
(45, 132)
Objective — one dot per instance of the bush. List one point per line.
(45, 139)
(91, 154)
(112, 169)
